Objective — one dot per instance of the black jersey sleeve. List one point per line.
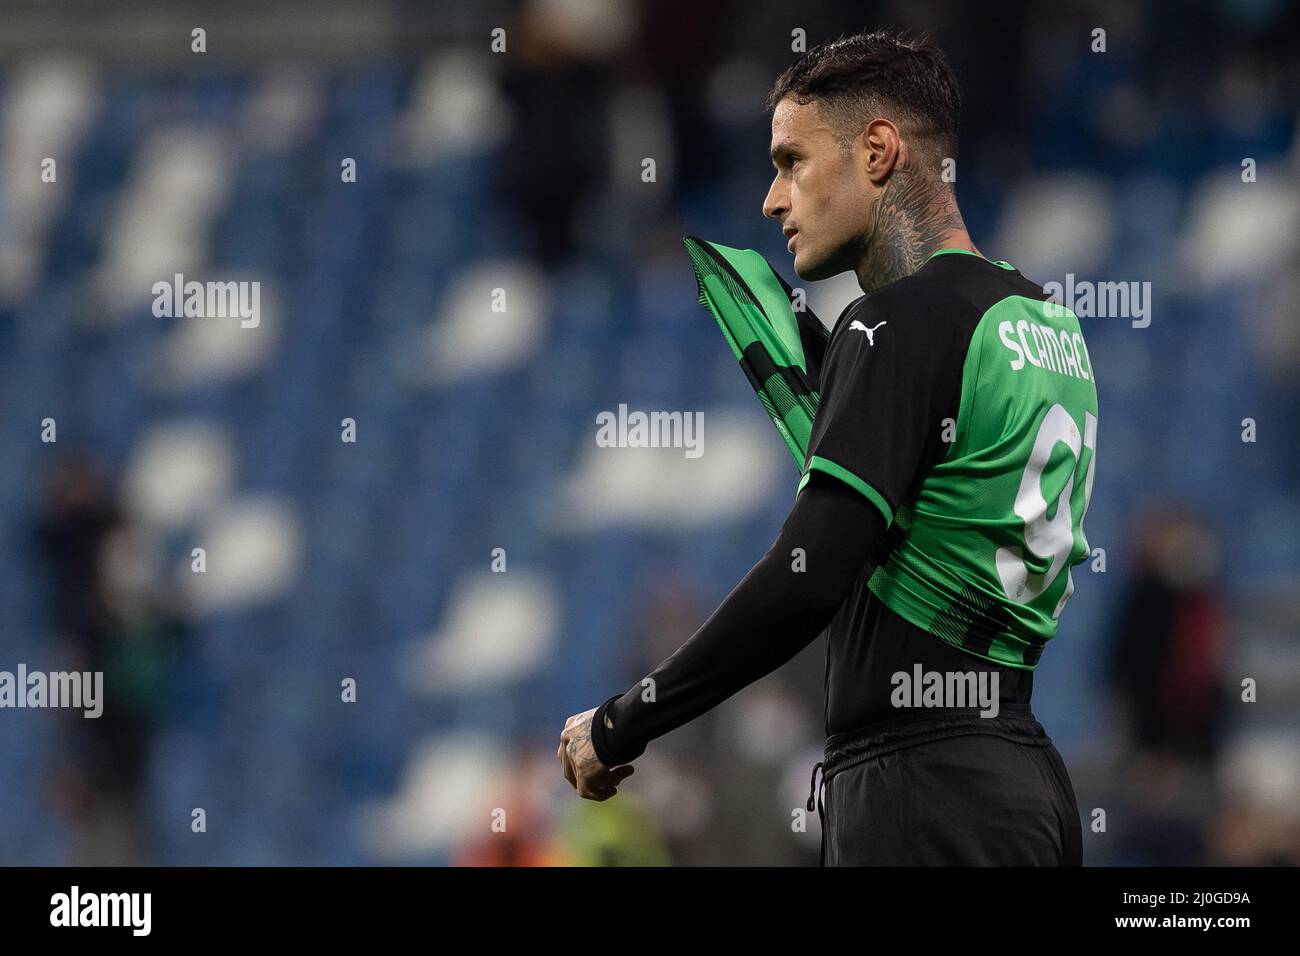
(777, 609)
(892, 376)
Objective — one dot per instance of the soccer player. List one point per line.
(941, 505)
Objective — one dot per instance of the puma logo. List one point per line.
(871, 332)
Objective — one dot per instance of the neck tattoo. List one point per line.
(911, 220)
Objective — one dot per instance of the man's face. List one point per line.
(821, 194)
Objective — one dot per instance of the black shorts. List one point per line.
(949, 791)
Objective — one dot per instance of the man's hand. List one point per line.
(582, 768)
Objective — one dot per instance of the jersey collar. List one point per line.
(1001, 263)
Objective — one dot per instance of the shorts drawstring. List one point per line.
(812, 786)
(815, 802)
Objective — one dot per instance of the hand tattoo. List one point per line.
(581, 750)
(582, 768)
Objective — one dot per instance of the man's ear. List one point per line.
(884, 150)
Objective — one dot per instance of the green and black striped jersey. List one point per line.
(962, 403)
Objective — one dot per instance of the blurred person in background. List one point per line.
(111, 617)
(1167, 652)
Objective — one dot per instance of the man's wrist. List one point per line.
(604, 739)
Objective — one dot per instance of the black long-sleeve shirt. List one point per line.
(777, 609)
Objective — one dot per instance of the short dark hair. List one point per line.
(853, 77)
